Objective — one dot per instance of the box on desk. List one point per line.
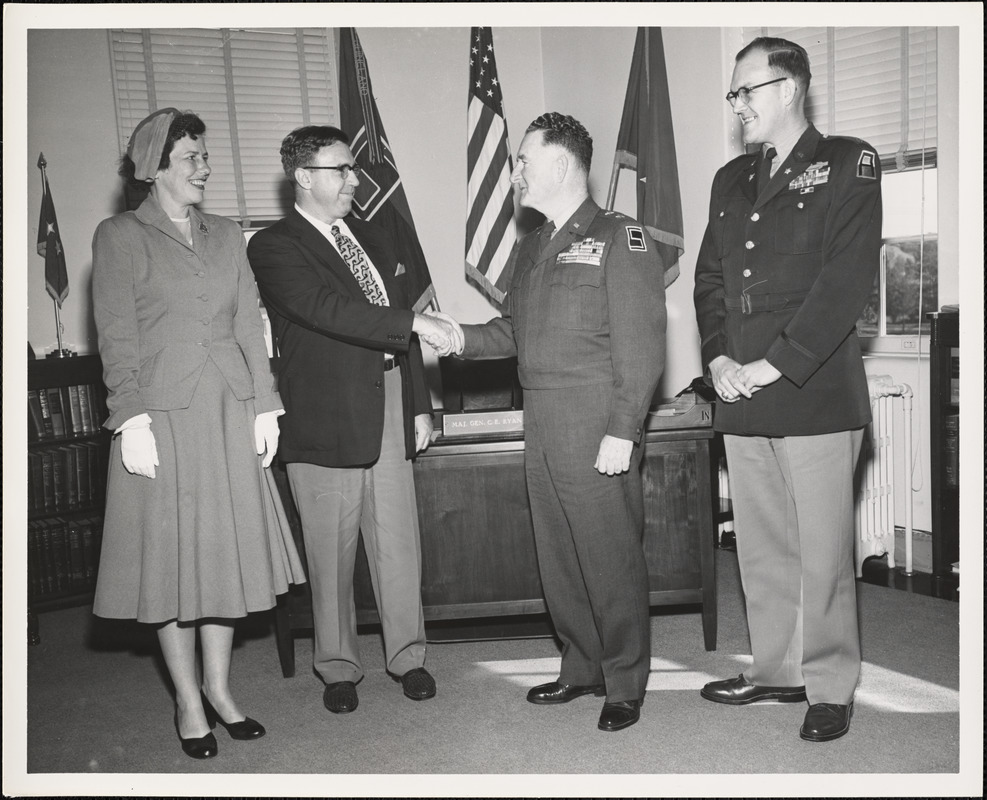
(688, 410)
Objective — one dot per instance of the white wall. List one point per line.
(71, 119)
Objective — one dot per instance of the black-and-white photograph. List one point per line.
(493, 399)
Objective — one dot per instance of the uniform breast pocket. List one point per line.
(800, 225)
(576, 297)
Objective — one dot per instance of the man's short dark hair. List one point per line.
(568, 133)
(784, 56)
(300, 146)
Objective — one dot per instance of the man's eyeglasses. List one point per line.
(344, 170)
(744, 92)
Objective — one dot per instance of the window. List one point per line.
(250, 87)
(879, 84)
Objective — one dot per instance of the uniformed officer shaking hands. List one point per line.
(785, 268)
(585, 315)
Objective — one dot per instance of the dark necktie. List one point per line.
(357, 262)
(764, 169)
(547, 231)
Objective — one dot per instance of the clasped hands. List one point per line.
(440, 332)
(733, 381)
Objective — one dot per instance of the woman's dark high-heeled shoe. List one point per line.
(198, 746)
(244, 730)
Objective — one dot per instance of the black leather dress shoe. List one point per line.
(621, 714)
(826, 721)
(738, 692)
(340, 698)
(418, 684)
(200, 747)
(555, 692)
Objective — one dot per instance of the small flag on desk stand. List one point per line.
(50, 243)
(646, 143)
(490, 228)
(380, 196)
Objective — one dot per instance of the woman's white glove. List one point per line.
(139, 451)
(266, 432)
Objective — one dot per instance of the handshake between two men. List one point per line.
(440, 332)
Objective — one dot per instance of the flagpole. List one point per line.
(61, 352)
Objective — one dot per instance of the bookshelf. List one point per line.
(67, 454)
(944, 367)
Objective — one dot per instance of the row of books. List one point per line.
(62, 555)
(61, 411)
(66, 477)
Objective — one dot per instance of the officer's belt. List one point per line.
(749, 304)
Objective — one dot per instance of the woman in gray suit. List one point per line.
(194, 535)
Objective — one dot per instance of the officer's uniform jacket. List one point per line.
(584, 307)
(163, 308)
(785, 276)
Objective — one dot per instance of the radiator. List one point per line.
(875, 522)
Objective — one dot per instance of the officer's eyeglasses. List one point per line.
(744, 92)
(344, 170)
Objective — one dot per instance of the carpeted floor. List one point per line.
(98, 703)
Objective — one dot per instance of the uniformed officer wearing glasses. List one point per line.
(786, 266)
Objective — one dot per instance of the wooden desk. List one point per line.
(478, 549)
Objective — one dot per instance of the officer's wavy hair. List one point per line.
(783, 56)
(300, 146)
(567, 132)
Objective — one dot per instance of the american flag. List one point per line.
(490, 228)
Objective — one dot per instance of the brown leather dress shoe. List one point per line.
(826, 721)
(418, 684)
(555, 692)
(619, 715)
(340, 698)
(738, 692)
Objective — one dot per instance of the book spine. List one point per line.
(954, 375)
(58, 480)
(47, 562)
(75, 407)
(77, 566)
(82, 474)
(70, 477)
(59, 550)
(57, 415)
(49, 426)
(48, 480)
(33, 560)
(36, 428)
(85, 408)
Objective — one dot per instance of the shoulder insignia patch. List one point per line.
(635, 239)
(867, 165)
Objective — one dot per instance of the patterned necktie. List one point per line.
(764, 170)
(357, 262)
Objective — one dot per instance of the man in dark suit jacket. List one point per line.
(785, 269)
(357, 409)
(585, 315)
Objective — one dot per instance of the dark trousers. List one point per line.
(588, 531)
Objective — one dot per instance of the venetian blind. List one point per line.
(250, 87)
(877, 84)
